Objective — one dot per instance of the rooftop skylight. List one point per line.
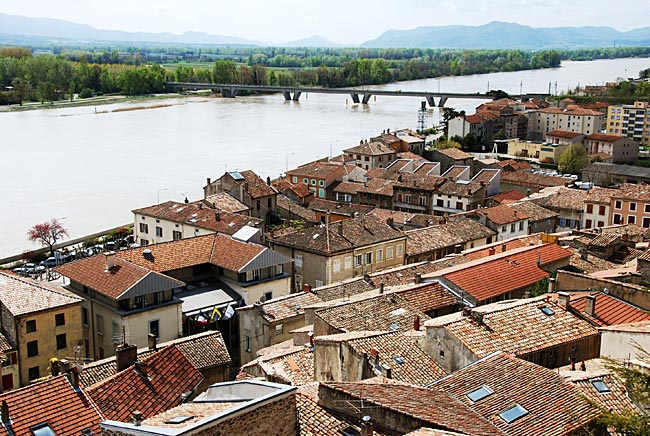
(512, 414)
(600, 386)
(547, 310)
(42, 429)
(479, 394)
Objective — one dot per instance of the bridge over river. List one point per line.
(358, 95)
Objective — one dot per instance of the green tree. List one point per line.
(224, 71)
(573, 160)
(22, 88)
(447, 143)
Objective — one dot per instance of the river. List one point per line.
(91, 169)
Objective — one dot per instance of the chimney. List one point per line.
(217, 216)
(366, 427)
(583, 253)
(504, 248)
(200, 206)
(418, 278)
(110, 260)
(381, 288)
(388, 371)
(562, 299)
(492, 251)
(390, 221)
(73, 377)
(583, 367)
(469, 192)
(416, 322)
(527, 294)
(125, 356)
(137, 418)
(590, 308)
(141, 368)
(5, 413)
(152, 341)
(573, 363)
(551, 285)
(64, 366)
(341, 228)
(478, 317)
(208, 180)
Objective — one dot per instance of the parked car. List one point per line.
(51, 262)
(29, 268)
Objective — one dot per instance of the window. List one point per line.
(176, 235)
(512, 414)
(59, 319)
(42, 429)
(32, 348)
(512, 227)
(459, 205)
(258, 205)
(547, 310)
(407, 198)
(521, 225)
(30, 326)
(389, 253)
(159, 232)
(336, 265)
(369, 258)
(305, 181)
(590, 208)
(313, 181)
(400, 249)
(319, 283)
(321, 183)
(600, 386)
(380, 255)
(632, 207)
(34, 373)
(348, 262)
(61, 342)
(84, 316)
(503, 229)
(618, 219)
(631, 219)
(100, 324)
(358, 260)
(618, 204)
(145, 242)
(279, 329)
(295, 179)
(587, 224)
(321, 192)
(299, 261)
(479, 394)
(116, 333)
(646, 222)
(154, 328)
(422, 201)
(601, 210)
(144, 228)
(646, 208)
(268, 295)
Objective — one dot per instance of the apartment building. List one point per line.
(629, 120)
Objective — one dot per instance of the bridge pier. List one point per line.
(296, 96)
(355, 97)
(431, 101)
(228, 92)
(442, 101)
(287, 95)
(366, 98)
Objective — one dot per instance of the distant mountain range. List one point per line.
(489, 36)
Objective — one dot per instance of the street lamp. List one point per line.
(158, 194)
(286, 161)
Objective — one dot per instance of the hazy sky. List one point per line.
(342, 21)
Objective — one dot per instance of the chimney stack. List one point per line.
(141, 368)
(551, 285)
(73, 377)
(381, 288)
(217, 216)
(583, 253)
(200, 206)
(590, 308)
(137, 418)
(418, 279)
(5, 413)
(388, 371)
(366, 427)
(416, 322)
(341, 228)
(125, 356)
(492, 251)
(151, 339)
(563, 299)
(110, 260)
(208, 180)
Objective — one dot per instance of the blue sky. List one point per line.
(341, 21)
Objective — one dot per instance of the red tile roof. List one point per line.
(67, 411)
(169, 375)
(370, 148)
(604, 138)
(555, 407)
(509, 196)
(225, 202)
(22, 296)
(502, 214)
(455, 153)
(609, 310)
(489, 277)
(430, 239)
(564, 134)
(427, 297)
(318, 170)
(300, 189)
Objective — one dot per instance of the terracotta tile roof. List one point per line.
(456, 171)
(281, 308)
(416, 367)
(348, 187)
(508, 196)
(474, 119)
(295, 209)
(564, 134)
(338, 207)
(205, 218)
(516, 327)
(225, 202)
(427, 167)
(378, 187)
(372, 148)
(293, 366)
(378, 313)
(386, 138)
(433, 238)
(455, 153)
(169, 375)
(412, 156)
(421, 182)
(519, 177)
(341, 236)
(609, 310)
(535, 212)
(460, 188)
(22, 296)
(605, 240)
(563, 199)
(428, 296)
(406, 218)
(496, 275)
(67, 411)
(300, 189)
(432, 407)
(424, 431)
(633, 192)
(194, 411)
(503, 214)
(516, 164)
(510, 244)
(5, 345)
(555, 407)
(632, 327)
(604, 138)
(600, 195)
(591, 264)
(256, 186)
(204, 350)
(342, 289)
(318, 170)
